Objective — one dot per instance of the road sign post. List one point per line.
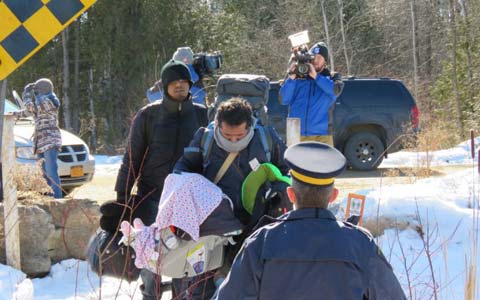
(10, 203)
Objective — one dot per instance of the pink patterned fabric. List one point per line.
(142, 240)
(187, 200)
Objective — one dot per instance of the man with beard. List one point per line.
(312, 96)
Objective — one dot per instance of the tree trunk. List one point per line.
(75, 100)
(66, 83)
(386, 46)
(342, 29)
(92, 126)
(458, 105)
(327, 35)
(469, 43)
(414, 48)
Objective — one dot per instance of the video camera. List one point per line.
(206, 63)
(302, 58)
(300, 54)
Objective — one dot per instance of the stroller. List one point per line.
(195, 222)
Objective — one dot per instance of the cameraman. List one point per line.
(311, 96)
(185, 55)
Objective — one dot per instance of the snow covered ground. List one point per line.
(430, 256)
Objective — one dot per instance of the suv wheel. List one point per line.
(364, 151)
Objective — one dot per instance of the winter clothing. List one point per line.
(309, 100)
(158, 134)
(256, 179)
(43, 86)
(308, 254)
(44, 109)
(231, 183)
(187, 200)
(157, 137)
(315, 163)
(321, 49)
(42, 103)
(197, 90)
(50, 171)
(184, 54)
(175, 70)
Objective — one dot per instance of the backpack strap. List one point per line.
(201, 114)
(266, 140)
(206, 142)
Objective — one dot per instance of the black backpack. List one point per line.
(253, 88)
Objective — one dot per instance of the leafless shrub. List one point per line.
(29, 178)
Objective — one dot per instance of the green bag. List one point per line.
(253, 182)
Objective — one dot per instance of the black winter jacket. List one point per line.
(159, 133)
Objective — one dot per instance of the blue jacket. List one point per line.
(308, 254)
(155, 92)
(310, 101)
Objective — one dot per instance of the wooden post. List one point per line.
(10, 208)
(293, 131)
(3, 92)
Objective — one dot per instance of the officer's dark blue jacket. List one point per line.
(310, 255)
(310, 101)
(231, 182)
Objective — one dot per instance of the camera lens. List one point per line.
(303, 68)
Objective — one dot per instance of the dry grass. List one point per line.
(434, 135)
(30, 178)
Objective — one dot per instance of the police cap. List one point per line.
(314, 163)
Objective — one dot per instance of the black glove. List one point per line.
(277, 202)
(354, 219)
(114, 212)
(337, 83)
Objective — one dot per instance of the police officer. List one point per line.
(307, 253)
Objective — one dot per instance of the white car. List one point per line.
(75, 164)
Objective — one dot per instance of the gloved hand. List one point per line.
(29, 92)
(113, 212)
(354, 219)
(277, 202)
(141, 239)
(337, 83)
(29, 87)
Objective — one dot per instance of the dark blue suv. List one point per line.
(371, 118)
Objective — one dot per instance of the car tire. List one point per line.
(364, 151)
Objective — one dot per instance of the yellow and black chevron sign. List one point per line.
(27, 25)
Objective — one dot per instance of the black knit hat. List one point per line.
(320, 48)
(175, 70)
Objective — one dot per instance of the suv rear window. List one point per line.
(375, 93)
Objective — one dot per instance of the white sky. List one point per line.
(442, 205)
